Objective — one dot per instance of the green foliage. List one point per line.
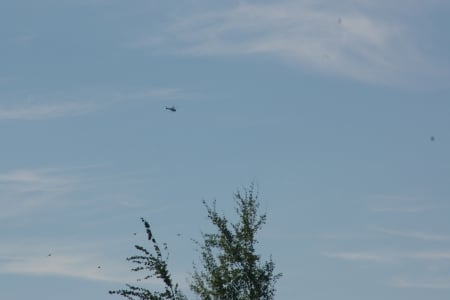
(230, 267)
(156, 265)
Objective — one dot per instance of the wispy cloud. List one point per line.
(80, 259)
(24, 190)
(389, 256)
(432, 284)
(397, 204)
(361, 256)
(430, 255)
(351, 39)
(64, 265)
(426, 236)
(44, 106)
(343, 236)
(398, 209)
(83, 266)
(83, 259)
(29, 190)
(151, 94)
(44, 111)
(34, 179)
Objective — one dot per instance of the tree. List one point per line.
(229, 267)
(156, 265)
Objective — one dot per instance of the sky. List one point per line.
(329, 107)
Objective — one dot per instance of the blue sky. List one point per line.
(329, 106)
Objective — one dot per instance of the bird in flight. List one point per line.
(172, 108)
(432, 138)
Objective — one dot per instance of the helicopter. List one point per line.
(172, 108)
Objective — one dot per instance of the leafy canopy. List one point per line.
(229, 267)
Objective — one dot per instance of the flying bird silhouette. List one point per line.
(171, 108)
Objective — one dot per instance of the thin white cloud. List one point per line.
(426, 236)
(397, 204)
(37, 178)
(151, 94)
(65, 265)
(25, 190)
(389, 256)
(398, 209)
(44, 107)
(25, 39)
(80, 259)
(82, 266)
(434, 284)
(365, 40)
(361, 256)
(430, 255)
(343, 236)
(43, 111)
(72, 258)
